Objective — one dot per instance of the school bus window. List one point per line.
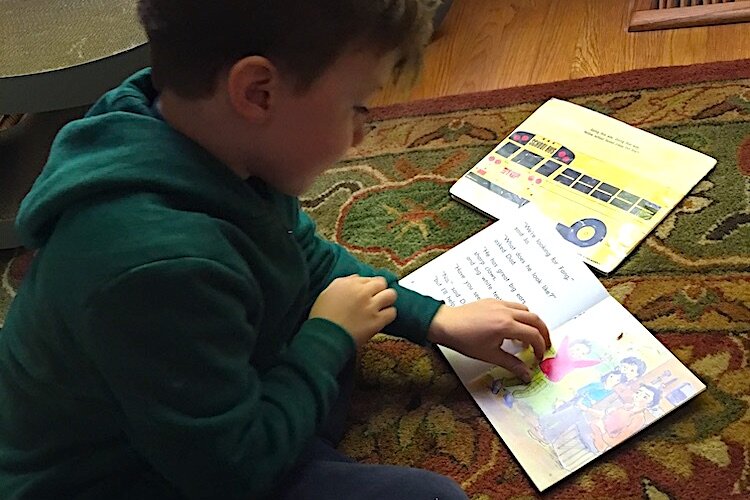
(649, 206)
(548, 168)
(624, 205)
(589, 181)
(643, 214)
(527, 159)
(564, 180)
(508, 149)
(601, 195)
(571, 173)
(609, 188)
(579, 186)
(629, 197)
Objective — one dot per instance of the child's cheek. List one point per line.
(345, 137)
(358, 136)
(330, 148)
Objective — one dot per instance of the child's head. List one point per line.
(579, 349)
(646, 396)
(612, 379)
(285, 81)
(632, 367)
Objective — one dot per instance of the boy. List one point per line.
(613, 426)
(182, 331)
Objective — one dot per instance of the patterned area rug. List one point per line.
(689, 283)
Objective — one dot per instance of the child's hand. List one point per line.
(361, 306)
(478, 330)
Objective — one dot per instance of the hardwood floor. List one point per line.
(494, 44)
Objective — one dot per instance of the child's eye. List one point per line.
(363, 110)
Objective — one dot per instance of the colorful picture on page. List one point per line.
(605, 379)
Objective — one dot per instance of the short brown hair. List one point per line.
(192, 41)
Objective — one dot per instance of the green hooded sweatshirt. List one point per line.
(159, 345)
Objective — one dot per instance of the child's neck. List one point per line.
(205, 122)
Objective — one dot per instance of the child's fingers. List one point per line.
(536, 322)
(528, 335)
(387, 316)
(511, 363)
(514, 305)
(385, 298)
(375, 284)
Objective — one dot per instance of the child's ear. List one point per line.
(252, 83)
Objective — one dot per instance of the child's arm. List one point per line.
(175, 344)
(476, 329)
(592, 412)
(329, 261)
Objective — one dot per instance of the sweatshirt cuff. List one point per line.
(414, 313)
(326, 342)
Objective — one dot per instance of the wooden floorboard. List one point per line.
(495, 44)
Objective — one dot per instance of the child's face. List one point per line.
(309, 131)
(643, 397)
(612, 380)
(629, 370)
(578, 351)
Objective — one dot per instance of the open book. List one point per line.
(606, 184)
(605, 377)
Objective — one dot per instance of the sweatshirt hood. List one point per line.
(122, 146)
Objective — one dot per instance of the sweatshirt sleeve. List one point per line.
(173, 341)
(328, 261)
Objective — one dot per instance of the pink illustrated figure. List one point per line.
(569, 356)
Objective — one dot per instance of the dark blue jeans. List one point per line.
(324, 473)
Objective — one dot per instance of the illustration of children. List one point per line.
(594, 392)
(569, 357)
(611, 427)
(550, 427)
(633, 368)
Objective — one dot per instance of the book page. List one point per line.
(605, 183)
(605, 379)
(521, 259)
